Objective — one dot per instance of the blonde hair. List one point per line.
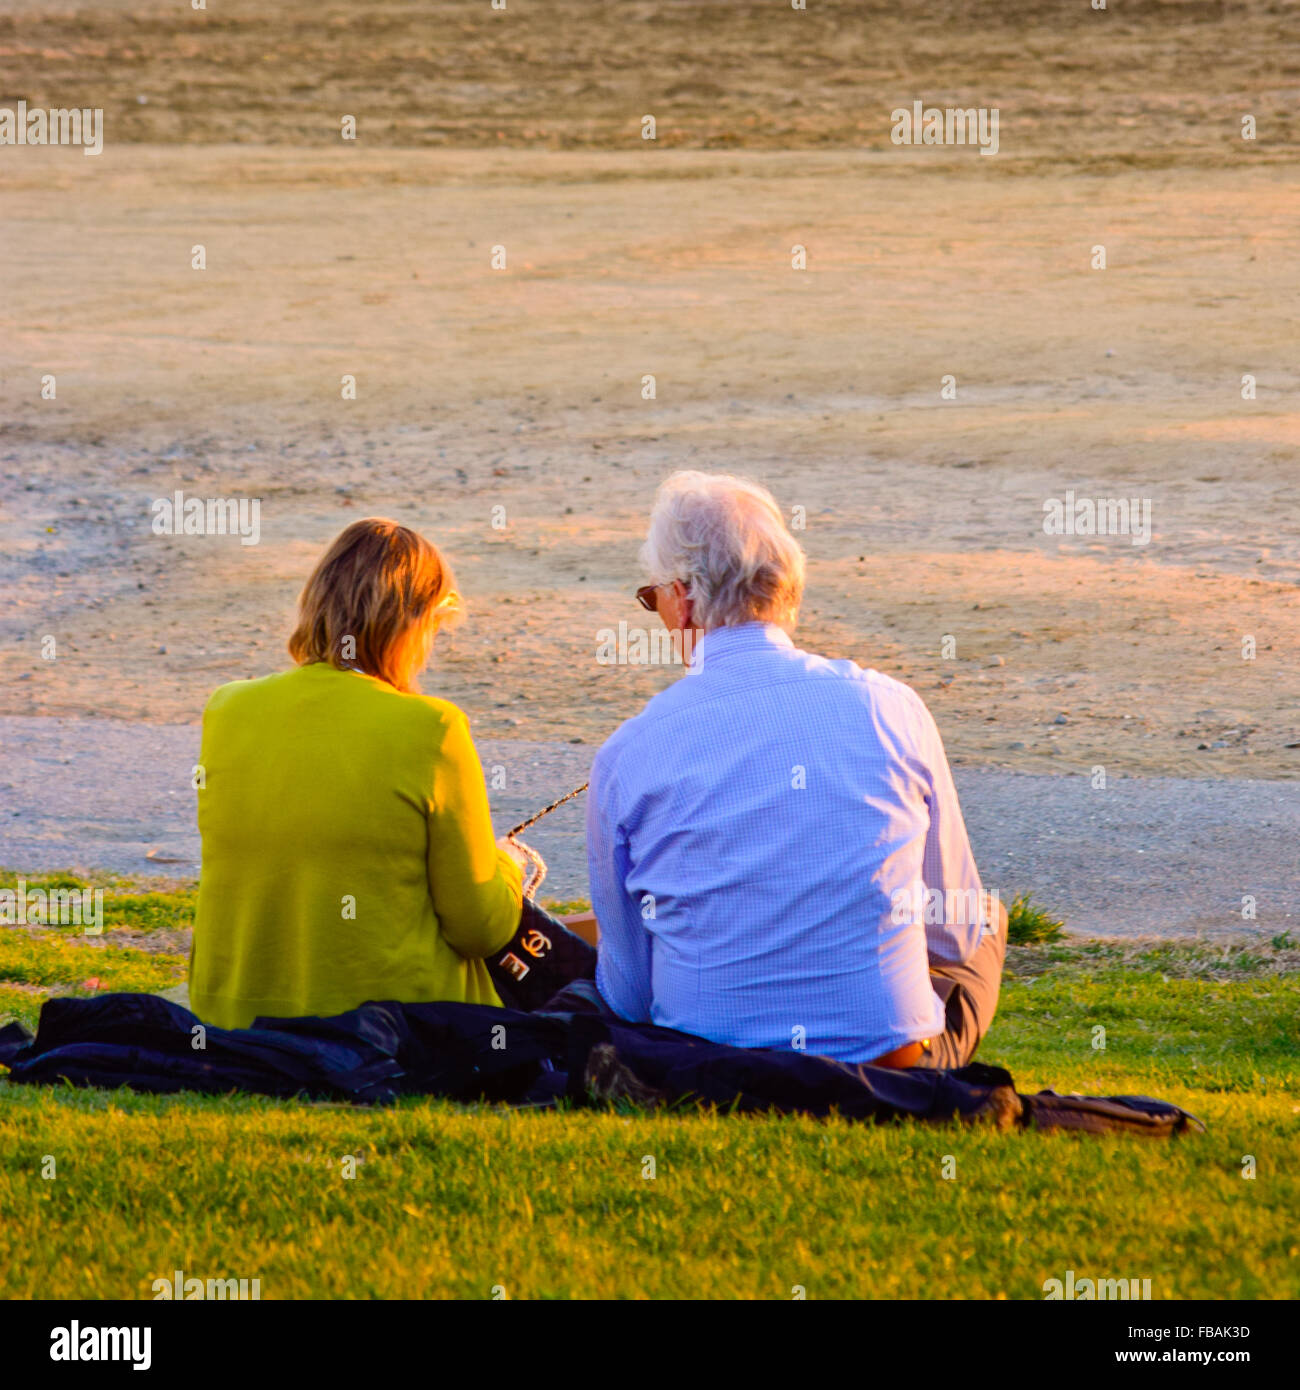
(726, 540)
(375, 601)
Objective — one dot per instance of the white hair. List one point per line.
(726, 540)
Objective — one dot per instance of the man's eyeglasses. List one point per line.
(645, 596)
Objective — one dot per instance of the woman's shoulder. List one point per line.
(426, 714)
(368, 700)
(239, 692)
(432, 710)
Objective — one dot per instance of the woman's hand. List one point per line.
(513, 851)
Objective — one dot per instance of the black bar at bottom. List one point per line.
(206, 1340)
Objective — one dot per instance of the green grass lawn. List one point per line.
(452, 1201)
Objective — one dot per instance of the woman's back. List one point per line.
(347, 851)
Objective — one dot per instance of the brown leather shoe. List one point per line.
(1001, 1108)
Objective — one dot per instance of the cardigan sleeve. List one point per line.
(476, 887)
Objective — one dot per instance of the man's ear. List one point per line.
(685, 602)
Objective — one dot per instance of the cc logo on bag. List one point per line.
(535, 943)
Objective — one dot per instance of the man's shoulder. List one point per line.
(865, 681)
(631, 730)
(894, 704)
(893, 700)
(889, 689)
(633, 735)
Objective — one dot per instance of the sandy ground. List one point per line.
(522, 388)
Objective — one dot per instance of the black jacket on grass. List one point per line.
(465, 1052)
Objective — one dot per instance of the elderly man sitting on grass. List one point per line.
(777, 855)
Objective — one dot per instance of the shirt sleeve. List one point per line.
(623, 962)
(948, 868)
(477, 888)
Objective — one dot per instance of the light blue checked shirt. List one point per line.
(760, 838)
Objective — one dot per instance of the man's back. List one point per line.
(757, 839)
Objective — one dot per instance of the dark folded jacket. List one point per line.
(379, 1051)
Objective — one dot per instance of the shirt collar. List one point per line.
(746, 637)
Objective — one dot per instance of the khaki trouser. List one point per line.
(970, 995)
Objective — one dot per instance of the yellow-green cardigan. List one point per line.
(348, 852)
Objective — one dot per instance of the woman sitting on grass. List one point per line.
(348, 853)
